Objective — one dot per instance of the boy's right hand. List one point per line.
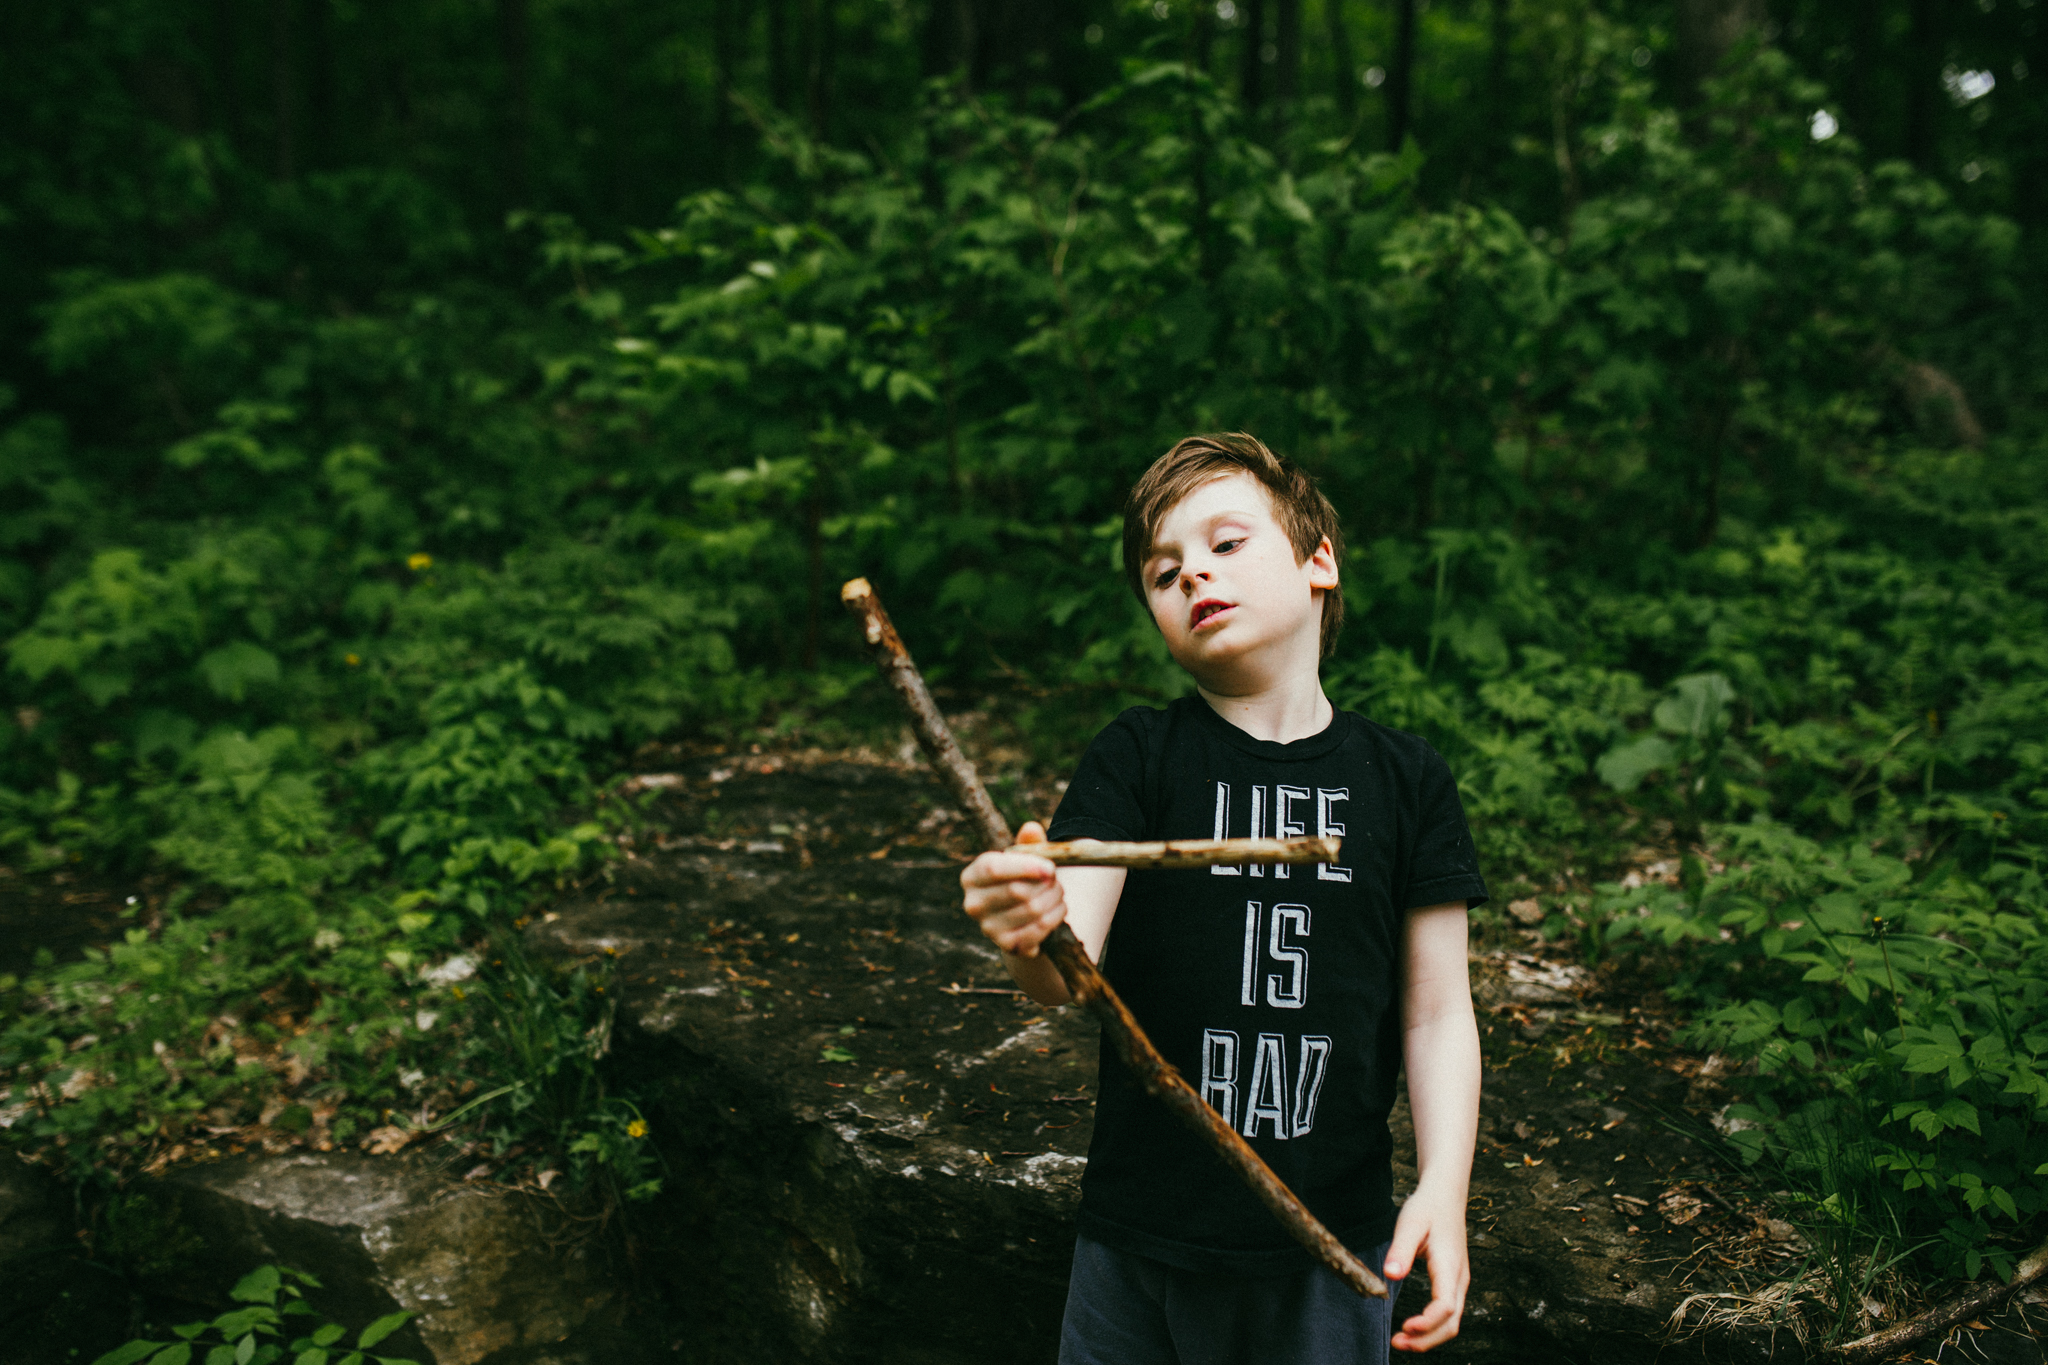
(1015, 897)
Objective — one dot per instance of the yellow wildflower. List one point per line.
(351, 660)
(416, 562)
(637, 1128)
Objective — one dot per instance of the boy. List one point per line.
(1290, 997)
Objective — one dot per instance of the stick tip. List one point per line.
(855, 590)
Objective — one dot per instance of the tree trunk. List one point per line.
(1707, 31)
(725, 47)
(283, 88)
(779, 82)
(320, 129)
(1346, 87)
(1401, 76)
(1923, 83)
(1497, 93)
(821, 44)
(515, 53)
(227, 71)
(1252, 83)
(1287, 60)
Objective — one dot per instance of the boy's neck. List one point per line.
(1282, 713)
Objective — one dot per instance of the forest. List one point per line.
(411, 416)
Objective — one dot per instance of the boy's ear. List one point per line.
(1322, 566)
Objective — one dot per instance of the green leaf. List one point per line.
(244, 1349)
(329, 1334)
(1626, 765)
(258, 1286)
(173, 1355)
(135, 1350)
(1700, 710)
(233, 669)
(381, 1328)
(315, 1356)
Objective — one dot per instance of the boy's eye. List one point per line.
(1166, 577)
(1224, 547)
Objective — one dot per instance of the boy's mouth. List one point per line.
(1205, 609)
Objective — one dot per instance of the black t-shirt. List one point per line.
(1274, 990)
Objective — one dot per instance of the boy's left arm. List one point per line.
(1441, 1050)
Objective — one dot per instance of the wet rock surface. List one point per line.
(875, 1146)
(491, 1274)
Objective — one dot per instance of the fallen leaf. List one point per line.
(386, 1140)
(1680, 1208)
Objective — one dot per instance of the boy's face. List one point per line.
(1230, 598)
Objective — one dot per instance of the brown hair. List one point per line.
(1303, 512)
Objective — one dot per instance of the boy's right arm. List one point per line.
(1018, 899)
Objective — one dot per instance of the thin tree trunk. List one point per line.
(822, 47)
(515, 53)
(778, 54)
(1497, 93)
(1346, 87)
(320, 129)
(725, 53)
(1287, 62)
(227, 70)
(283, 91)
(1201, 37)
(1401, 76)
(1923, 83)
(1252, 81)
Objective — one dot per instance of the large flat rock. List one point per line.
(874, 1147)
(493, 1275)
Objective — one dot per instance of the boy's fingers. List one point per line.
(1408, 1236)
(991, 869)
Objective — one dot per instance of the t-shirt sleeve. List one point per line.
(1445, 866)
(1105, 799)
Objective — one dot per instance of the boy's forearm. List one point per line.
(1442, 1057)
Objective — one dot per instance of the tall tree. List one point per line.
(1253, 80)
(821, 49)
(515, 55)
(283, 89)
(1923, 82)
(1346, 78)
(1287, 54)
(1401, 75)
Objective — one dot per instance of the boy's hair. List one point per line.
(1302, 510)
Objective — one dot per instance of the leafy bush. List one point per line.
(258, 1332)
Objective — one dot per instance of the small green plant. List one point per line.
(261, 1332)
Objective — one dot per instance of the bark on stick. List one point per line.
(1939, 1321)
(1173, 854)
(1154, 1073)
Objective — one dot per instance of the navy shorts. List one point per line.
(1124, 1309)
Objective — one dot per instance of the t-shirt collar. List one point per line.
(1294, 751)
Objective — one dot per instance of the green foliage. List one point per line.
(343, 569)
(261, 1332)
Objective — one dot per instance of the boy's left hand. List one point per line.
(1432, 1224)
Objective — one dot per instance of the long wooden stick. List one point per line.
(1084, 982)
(1173, 854)
(1936, 1321)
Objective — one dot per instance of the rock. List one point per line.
(916, 1202)
(1527, 913)
(54, 1300)
(494, 1276)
